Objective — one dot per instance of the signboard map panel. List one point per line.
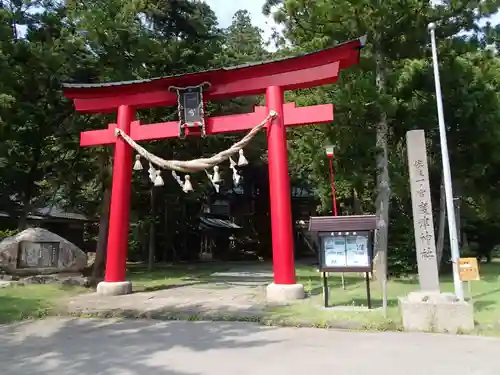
(345, 251)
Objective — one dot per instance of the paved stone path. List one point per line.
(93, 347)
(239, 291)
(191, 300)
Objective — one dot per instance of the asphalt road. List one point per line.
(91, 347)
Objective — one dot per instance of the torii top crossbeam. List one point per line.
(271, 78)
(291, 73)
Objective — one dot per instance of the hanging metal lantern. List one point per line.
(191, 109)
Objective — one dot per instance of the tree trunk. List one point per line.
(442, 225)
(22, 222)
(152, 232)
(357, 208)
(383, 183)
(170, 252)
(29, 187)
(102, 239)
(456, 205)
(465, 241)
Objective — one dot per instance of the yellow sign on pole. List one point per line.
(468, 269)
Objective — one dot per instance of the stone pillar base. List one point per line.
(284, 292)
(436, 312)
(114, 288)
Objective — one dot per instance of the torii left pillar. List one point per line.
(119, 211)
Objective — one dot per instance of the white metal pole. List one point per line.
(452, 225)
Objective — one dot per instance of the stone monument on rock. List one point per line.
(428, 309)
(36, 251)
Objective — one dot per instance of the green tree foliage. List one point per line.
(38, 131)
(391, 91)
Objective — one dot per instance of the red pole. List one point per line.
(279, 186)
(332, 182)
(116, 259)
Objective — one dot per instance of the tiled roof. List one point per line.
(207, 222)
(51, 212)
(55, 212)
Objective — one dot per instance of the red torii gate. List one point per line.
(270, 78)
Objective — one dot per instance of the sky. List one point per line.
(225, 10)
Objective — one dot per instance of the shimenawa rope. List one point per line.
(201, 164)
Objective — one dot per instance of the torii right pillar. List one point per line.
(285, 286)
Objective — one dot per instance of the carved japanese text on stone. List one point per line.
(422, 211)
(38, 254)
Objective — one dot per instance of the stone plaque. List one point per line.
(38, 254)
(422, 211)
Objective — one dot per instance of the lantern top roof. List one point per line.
(292, 72)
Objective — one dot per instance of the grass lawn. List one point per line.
(33, 301)
(485, 294)
(165, 276)
(37, 301)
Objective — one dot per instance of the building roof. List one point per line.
(212, 222)
(55, 212)
(51, 213)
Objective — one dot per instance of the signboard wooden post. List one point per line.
(468, 269)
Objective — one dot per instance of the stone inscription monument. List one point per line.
(428, 309)
(38, 254)
(37, 251)
(422, 211)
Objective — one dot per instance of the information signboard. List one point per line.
(334, 250)
(346, 245)
(345, 251)
(468, 269)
